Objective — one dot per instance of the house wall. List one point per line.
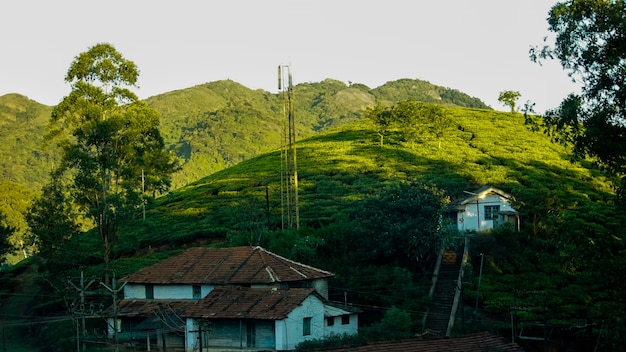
(232, 334)
(338, 328)
(289, 331)
(138, 291)
(321, 286)
(468, 220)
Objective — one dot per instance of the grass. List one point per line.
(339, 167)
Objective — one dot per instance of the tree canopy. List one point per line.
(112, 150)
(509, 98)
(589, 44)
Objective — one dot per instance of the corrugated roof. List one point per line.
(478, 342)
(248, 303)
(226, 266)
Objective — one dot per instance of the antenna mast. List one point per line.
(288, 154)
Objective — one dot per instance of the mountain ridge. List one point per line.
(216, 124)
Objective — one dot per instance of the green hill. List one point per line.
(214, 125)
(338, 167)
(23, 159)
(566, 207)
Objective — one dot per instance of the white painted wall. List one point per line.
(138, 291)
(191, 335)
(340, 329)
(468, 220)
(321, 286)
(289, 331)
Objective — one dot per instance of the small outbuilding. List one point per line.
(482, 210)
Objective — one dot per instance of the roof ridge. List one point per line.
(294, 262)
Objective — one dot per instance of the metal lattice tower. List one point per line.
(289, 166)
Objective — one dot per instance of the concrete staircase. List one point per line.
(438, 316)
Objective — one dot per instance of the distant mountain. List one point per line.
(23, 159)
(219, 124)
(216, 125)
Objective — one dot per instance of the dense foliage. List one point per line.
(589, 44)
(358, 206)
(509, 98)
(112, 152)
(344, 175)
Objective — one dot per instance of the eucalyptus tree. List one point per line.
(112, 150)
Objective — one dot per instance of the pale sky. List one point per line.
(479, 47)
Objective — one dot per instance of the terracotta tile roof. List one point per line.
(221, 303)
(247, 303)
(226, 266)
(478, 342)
(142, 308)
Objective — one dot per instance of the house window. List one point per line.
(345, 319)
(306, 327)
(250, 334)
(197, 291)
(330, 321)
(452, 218)
(491, 212)
(149, 291)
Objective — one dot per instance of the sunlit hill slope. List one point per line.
(341, 166)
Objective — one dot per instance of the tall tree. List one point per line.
(54, 220)
(402, 224)
(408, 114)
(383, 118)
(5, 246)
(109, 141)
(417, 117)
(509, 98)
(14, 202)
(590, 45)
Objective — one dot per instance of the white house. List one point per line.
(221, 299)
(482, 209)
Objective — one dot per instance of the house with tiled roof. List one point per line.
(228, 299)
(482, 210)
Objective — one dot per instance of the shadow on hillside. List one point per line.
(579, 182)
(336, 171)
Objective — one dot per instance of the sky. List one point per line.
(479, 47)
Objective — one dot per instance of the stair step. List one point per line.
(443, 297)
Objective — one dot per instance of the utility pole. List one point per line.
(114, 292)
(80, 321)
(480, 275)
(291, 188)
(143, 191)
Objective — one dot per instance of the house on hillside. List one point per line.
(482, 210)
(241, 298)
